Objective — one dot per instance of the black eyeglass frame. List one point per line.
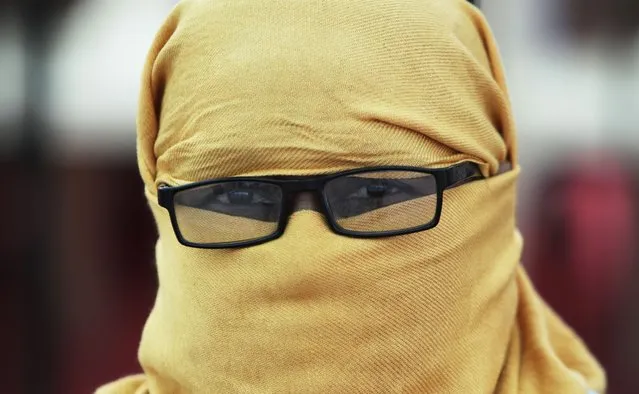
(445, 178)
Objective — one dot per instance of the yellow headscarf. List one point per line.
(301, 87)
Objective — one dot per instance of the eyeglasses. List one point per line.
(363, 203)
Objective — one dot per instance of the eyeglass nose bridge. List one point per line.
(302, 184)
(304, 194)
(306, 201)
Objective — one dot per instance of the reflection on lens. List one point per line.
(228, 211)
(382, 201)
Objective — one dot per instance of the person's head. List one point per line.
(327, 179)
(306, 100)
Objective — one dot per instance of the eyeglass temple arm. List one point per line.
(469, 171)
(462, 173)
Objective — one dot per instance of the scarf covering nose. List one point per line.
(304, 87)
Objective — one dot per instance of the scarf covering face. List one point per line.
(306, 87)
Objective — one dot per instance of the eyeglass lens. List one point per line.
(368, 202)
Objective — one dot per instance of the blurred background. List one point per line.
(76, 239)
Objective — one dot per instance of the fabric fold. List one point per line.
(307, 87)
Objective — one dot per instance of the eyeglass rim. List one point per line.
(445, 178)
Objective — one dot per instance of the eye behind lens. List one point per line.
(377, 190)
(240, 197)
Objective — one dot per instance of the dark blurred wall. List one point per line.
(102, 283)
(583, 256)
(586, 18)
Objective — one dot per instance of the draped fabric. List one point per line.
(305, 87)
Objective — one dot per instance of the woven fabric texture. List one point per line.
(302, 87)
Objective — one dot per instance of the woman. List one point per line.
(345, 273)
